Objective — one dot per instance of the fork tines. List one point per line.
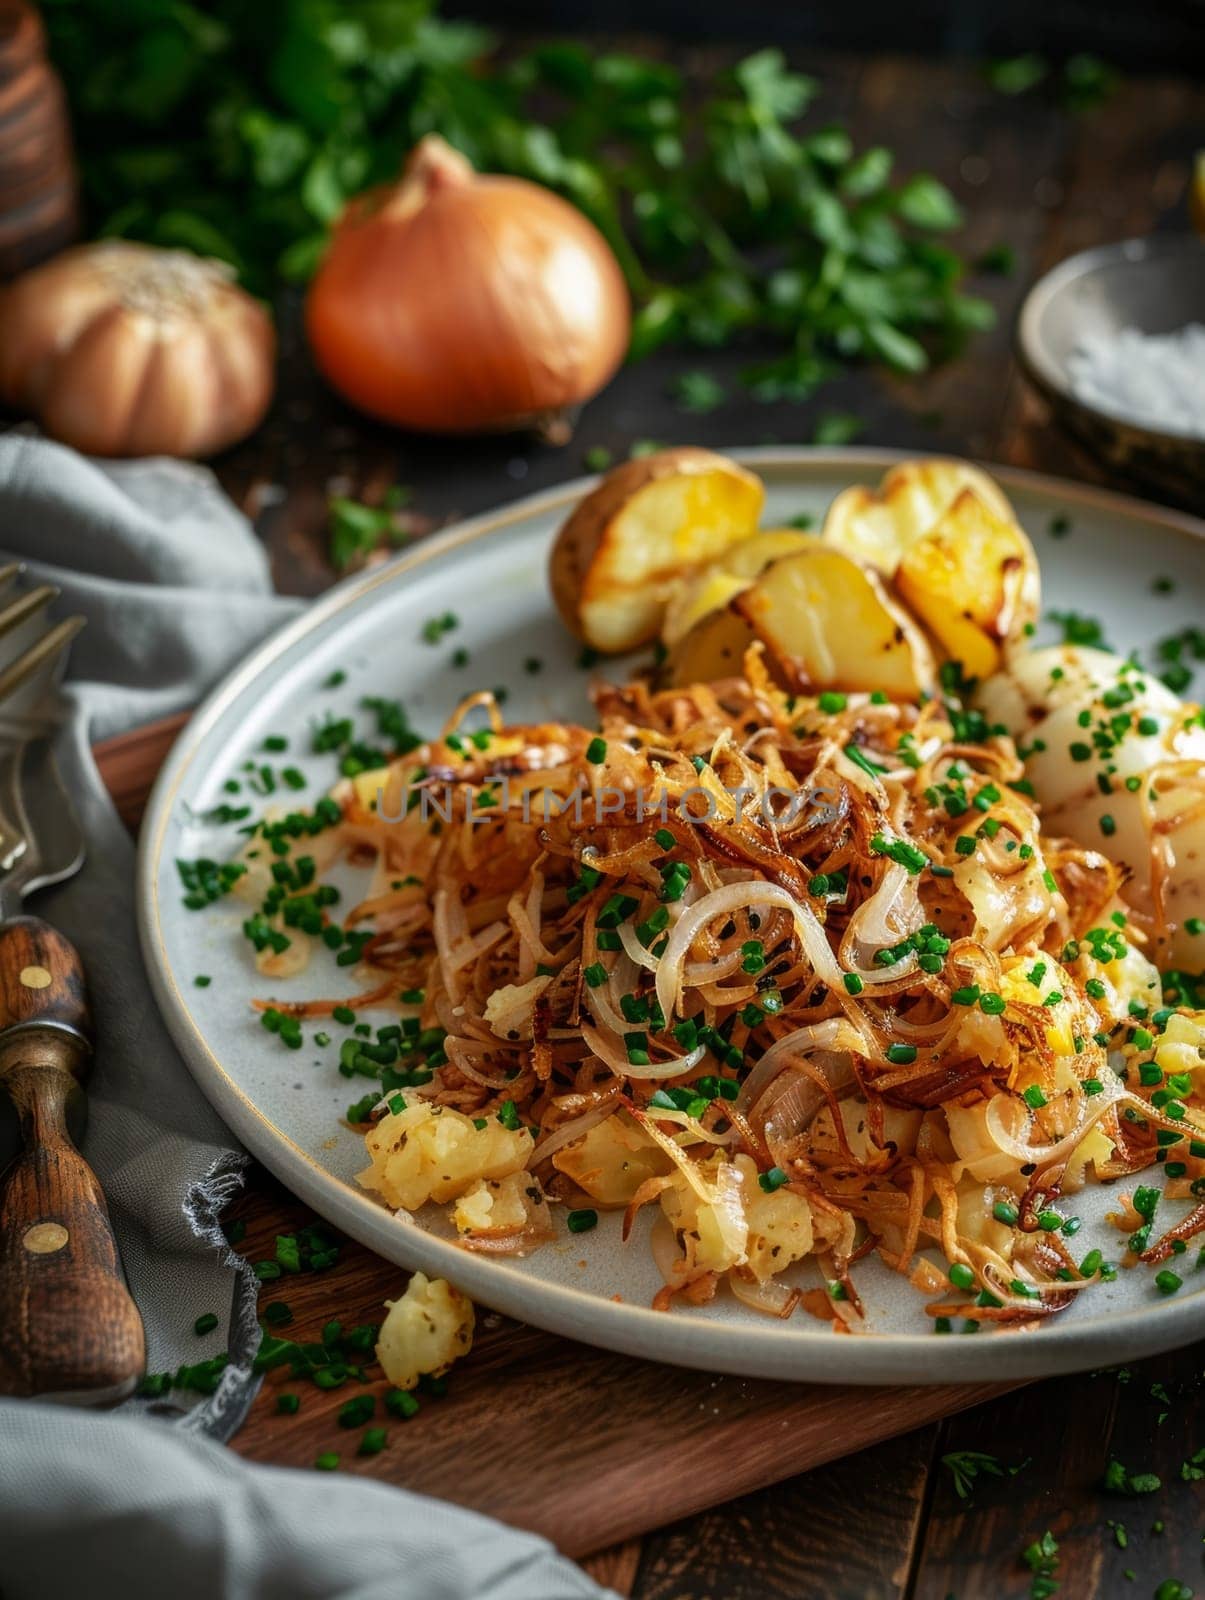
(25, 605)
(41, 651)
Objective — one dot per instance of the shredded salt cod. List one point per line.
(1157, 380)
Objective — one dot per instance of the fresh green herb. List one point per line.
(966, 1465)
(1087, 82)
(1077, 629)
(401, 1403)
(1016, 74)
(1118, 1481)
(838, 427)
(206, 881)
(355, 530)
(435, 628)
(354, 1413)
(214, 133)
(861, 759)
(1042, 1559)
(1000, 260)
(698, 392)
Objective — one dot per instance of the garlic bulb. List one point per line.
(123, 350)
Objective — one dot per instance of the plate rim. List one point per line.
(772, 1350)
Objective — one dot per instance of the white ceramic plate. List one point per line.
(285, 1104)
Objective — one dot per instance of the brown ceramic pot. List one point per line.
(39, 199)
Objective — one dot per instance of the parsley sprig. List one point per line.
(740, 211)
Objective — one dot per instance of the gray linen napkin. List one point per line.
(176, 588)
(128, 1516)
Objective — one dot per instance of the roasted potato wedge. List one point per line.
(972, 580)
(724, 578)
(878, 525)
(648, 524)
(826, 621)
(714, 648)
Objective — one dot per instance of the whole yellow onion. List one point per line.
(123, 350)
(454, 303)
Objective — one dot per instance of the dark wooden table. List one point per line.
(888, 1522)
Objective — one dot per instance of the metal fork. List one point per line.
(70, 1329)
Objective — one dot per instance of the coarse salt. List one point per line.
(1157, 380)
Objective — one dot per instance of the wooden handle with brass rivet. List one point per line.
(70, 1329)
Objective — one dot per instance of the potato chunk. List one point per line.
(723, 579)
(780, 1225)
(424, 1332)
(973, 581)
(713, 649)
(828, 623)
(708, 1215)
(647, 524)
(497, 1207)
(611, 1161)
(434, 1153)
(878, 525)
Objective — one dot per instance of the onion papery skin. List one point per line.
(456, 303)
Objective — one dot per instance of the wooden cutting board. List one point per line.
(583, 1446)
